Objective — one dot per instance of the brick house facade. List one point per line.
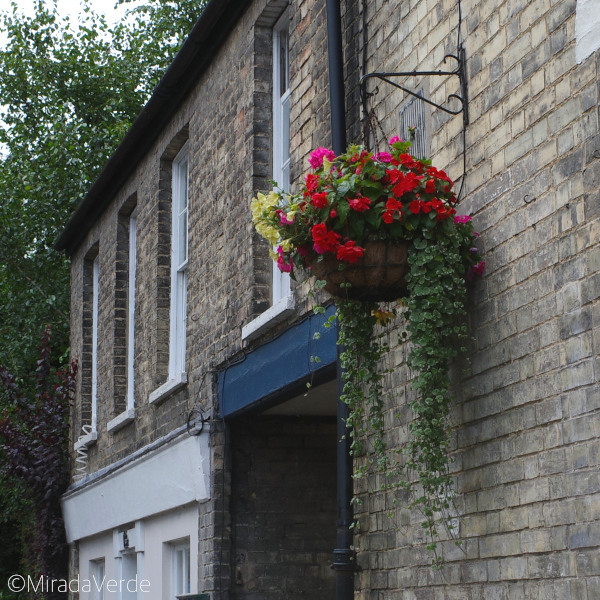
(203, 467)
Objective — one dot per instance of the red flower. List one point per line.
(415, 207)
(324, 240)
(333, 214)
(312, 183)
(408, 161)
(359, 204)
(430, 186)
(406, 183)
(426, 207)
(319, 200)
(439, 174)
(393, 175)
(349, 252)
(393, 204)
(388, 216)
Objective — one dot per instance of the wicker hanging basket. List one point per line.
(379, 275)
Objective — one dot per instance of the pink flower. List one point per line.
(281, 264)
(462, 219)
(385, 157)
(479, 268)
(283, 219)
(394, 140)
(316, 157)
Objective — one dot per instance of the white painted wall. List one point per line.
(154, 562)
(587, 28)
(172, 476)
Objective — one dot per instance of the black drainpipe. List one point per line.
(344, 562)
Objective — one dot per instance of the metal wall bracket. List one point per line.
(459, 72)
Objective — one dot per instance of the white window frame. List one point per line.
(281, 132)
(132, 264)
(180, 570)
(179, 263)
(97, 576)
(95, 289)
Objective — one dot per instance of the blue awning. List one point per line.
(279, 368)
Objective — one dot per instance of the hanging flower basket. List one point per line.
(381, 227)
(379, 275)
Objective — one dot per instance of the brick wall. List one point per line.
(283, 507)
(526, 412)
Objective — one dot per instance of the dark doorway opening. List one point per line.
(283, 502)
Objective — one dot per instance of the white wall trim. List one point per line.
(168, 388)
(280, 311)
(172, 476)
(127, 416)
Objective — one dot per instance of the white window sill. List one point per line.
(87, 440)
(168, 388)
(127, 416)
(277, 313)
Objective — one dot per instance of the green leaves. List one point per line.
(435, 315)
(69, 94)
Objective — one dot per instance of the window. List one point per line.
(281, 130)
(171, 299)
(86, 429)
(179, 264)
(97, 574)
(180, 570)
(95, 286)
(129, 576)
(124, 322)
(272, 303)
(132, 263)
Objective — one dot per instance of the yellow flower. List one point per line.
(383, 316)
(286, 245)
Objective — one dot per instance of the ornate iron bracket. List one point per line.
(458, 72)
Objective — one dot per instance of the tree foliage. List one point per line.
(34, 433)
(69, 92)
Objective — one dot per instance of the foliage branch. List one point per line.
(344, 203)
(34, 434)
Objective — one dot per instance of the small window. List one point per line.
(97, 575)
(95, 289)
(129, 576)
(124, 321)
(412, 124)
(89, 351)
(180, 570)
